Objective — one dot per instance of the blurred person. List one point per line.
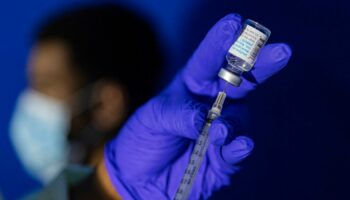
(88, 69)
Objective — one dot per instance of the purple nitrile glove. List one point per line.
(201, 72)
(148, 158)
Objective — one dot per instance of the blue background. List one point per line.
(299, 118)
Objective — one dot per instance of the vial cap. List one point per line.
(230, 77)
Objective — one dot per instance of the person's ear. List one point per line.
(112, 106)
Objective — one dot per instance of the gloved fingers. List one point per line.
(200, 74)
(178, 117)
(207, 60)
(221, 132)
(272, 59)
(237, 150)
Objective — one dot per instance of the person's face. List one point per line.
(50, 70)
(52, 73)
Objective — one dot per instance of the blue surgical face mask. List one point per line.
(38, 132)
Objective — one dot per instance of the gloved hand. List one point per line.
(201, 72)
(152, 150)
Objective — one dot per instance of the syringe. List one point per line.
(199, 150)
(240, 58)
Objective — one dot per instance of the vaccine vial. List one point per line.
(243, 53)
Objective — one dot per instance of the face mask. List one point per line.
(38, 132)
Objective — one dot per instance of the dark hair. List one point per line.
(109, 42)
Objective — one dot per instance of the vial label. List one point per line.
(248, 44)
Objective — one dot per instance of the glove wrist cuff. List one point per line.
(114, 177)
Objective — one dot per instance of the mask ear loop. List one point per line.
(82, 100)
